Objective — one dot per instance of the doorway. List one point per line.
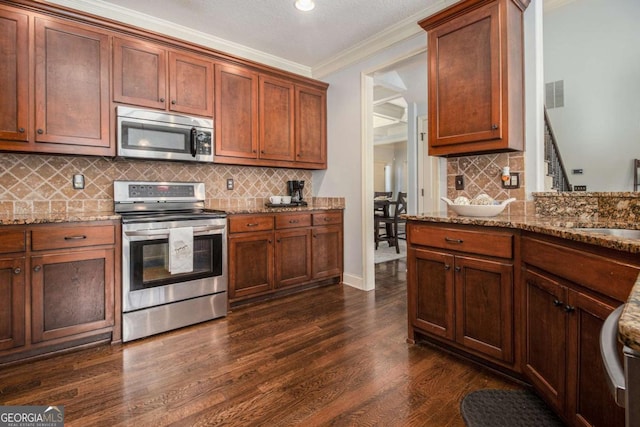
(394, 145)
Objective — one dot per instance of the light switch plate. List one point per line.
(513, 182)
(78, 181)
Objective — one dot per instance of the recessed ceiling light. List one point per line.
(305, 5)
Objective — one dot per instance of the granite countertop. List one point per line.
(629, 324)
(265, 209)
(51, 217)
(563, 227)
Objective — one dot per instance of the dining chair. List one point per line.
(391, 223)
(380, 210)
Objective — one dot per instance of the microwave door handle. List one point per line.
(194, 140)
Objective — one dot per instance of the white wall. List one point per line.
(594, 46)
(343, 178)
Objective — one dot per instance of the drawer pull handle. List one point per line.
(17, 270)
(252, 224)
(82, 237)
(450, 240)
(327, 219)
(37, 268)
(293, 221)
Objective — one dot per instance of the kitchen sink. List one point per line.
(617, 232)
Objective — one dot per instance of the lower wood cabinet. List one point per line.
(458, 292)
(271, 253)
(60, 287)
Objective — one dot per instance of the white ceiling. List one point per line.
(275, 27)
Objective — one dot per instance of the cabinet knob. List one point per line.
(557, 302)
(17, 270)
(458, 269)
(447, 267)
(569, 309)
(21, 130)
(494, 126)
(161, 99)
(37, 268)
(40, 131)
(261, 151)
(173, 102)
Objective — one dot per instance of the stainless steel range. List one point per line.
(174, 257)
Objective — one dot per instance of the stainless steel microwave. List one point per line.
(150, 134)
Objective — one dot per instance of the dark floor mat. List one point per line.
(506, 408)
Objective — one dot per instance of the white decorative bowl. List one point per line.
(478, 210)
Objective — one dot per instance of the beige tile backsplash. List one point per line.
(482, 175)
(42, 183)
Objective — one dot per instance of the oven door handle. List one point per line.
(164, 232)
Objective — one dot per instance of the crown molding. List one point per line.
(396, 33)
(141, 20)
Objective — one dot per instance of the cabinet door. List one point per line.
(276, 119)
(326, 251)
(72, 293)
(484, 306)
(236, 112)
(311, 125)
(12, 303)
(465, 79)
(589, 401)
(71, 87)
(250, 264)
(293, 257)
(190, 84)
(432, 293)
(14, 76)
(139, 73)
(546, 332)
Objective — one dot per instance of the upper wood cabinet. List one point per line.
(14, 76)
(236, 121)
(262, 120)
(475, 77)
(311, 126)
(150, 75)
(69, 111)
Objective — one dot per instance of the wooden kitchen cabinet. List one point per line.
(311, 126)
(150, 75)
(276, 113)
(63, 287)
(70, 105)
(563, 317)
(475, 77)
(14, 76)
(461, 289)
(284, 251)
(12, 288)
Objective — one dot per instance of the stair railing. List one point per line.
(555, 167)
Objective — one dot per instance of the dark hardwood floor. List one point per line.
(330, 356)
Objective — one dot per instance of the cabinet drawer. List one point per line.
(242, 224)
(12, 241)
(61, 237)
(293, 220)
(324, 218)
(489, 242)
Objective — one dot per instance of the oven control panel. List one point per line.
(160, 190)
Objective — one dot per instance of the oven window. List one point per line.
(142, 136)
(150, 262)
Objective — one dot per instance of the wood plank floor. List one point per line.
(331, 356)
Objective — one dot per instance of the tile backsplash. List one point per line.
(482, 175)
(43, 183)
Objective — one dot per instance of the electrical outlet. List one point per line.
(579, 188)
(513, 182)
(229, 183)
(459, 182)
(78, 181)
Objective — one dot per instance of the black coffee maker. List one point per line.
(295, 191)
